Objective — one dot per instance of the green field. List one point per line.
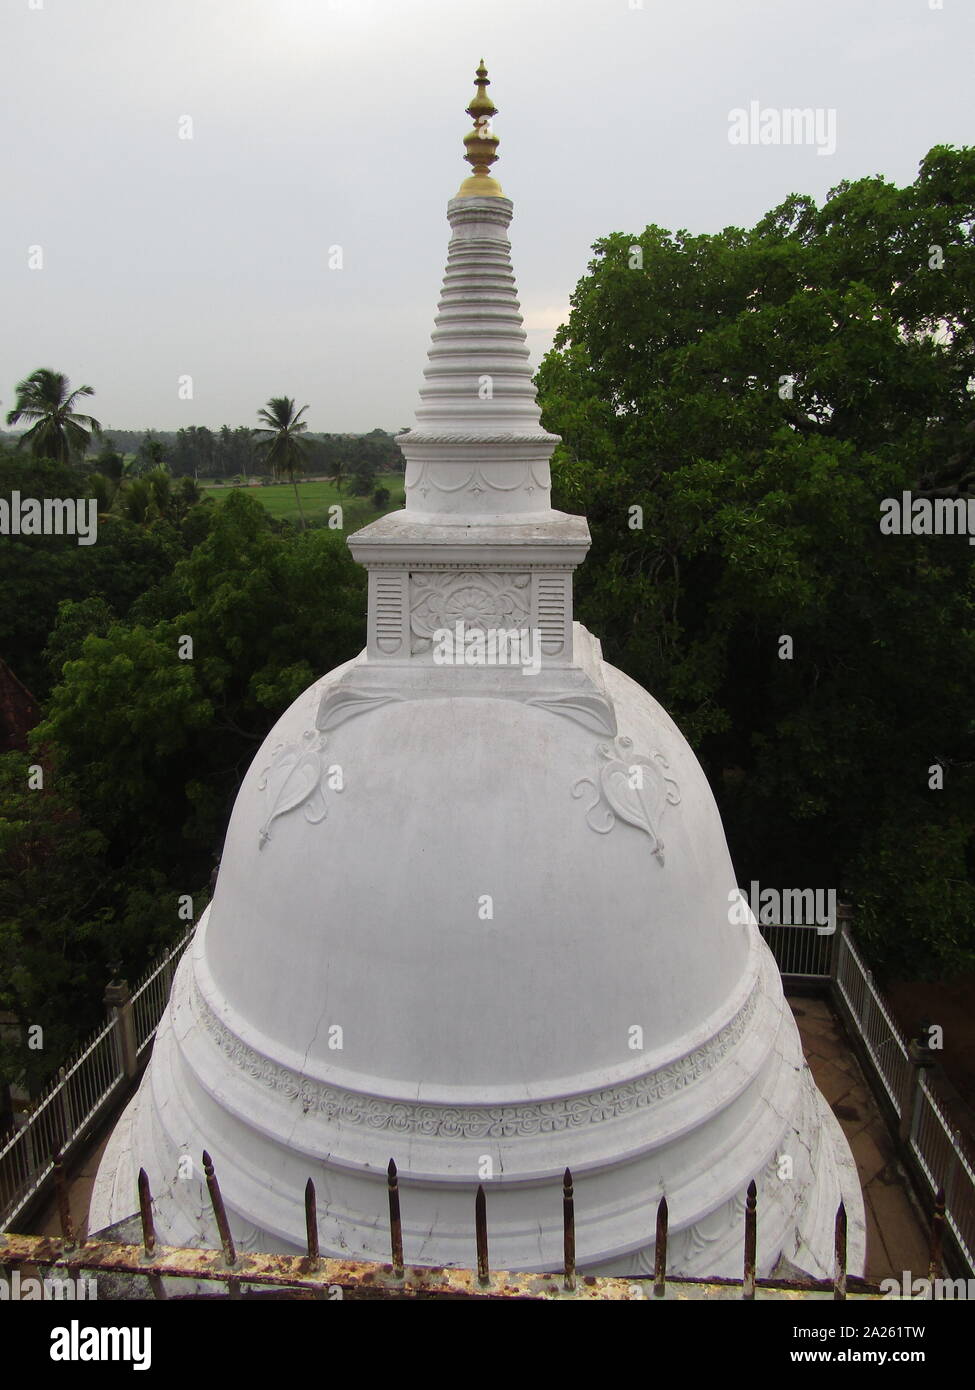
(316, 498)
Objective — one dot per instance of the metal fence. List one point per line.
(152, 1270)
(80, 1092)
(933, 1144)
(940, 1154)
(885, 1045)
(801, 953)
(150, 998)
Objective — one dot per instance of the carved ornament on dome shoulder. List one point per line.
(630, 787)
(344, 702)
(585, 703)
(593, 711)
(295, 779)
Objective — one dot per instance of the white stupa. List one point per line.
(475, 916)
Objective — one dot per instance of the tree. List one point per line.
(152, 454)
(283, 449)
(59, 432)
(733, 409)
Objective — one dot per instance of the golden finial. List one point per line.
(481, 143)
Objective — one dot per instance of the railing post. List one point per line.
(921, 1059)
(867, 1014)
(660, 1250)
(568, 1230)
(67, 1119)
(844, 914)
(937, 1236)
(751, 1242)
(63, 1201)
(166, 973)
(118, 1001)
(481, 1237)
(954, 1169)
(395, 1221)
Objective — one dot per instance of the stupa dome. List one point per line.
(479, 915)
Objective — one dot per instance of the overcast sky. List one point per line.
(318, 123)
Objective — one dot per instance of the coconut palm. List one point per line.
(282, 448)
(58, 430)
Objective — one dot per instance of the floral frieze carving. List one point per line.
(479, 599)
(629, 786)
(295, 779)
(481, 1121)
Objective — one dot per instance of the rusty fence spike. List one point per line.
(395, 1223)
(568, 1230)
(64, 1205)
(145, 1211)
(751, 1231)
(660, 1250)
(839, 1274)
(216, 1201)
(149, 1233)
(480, 1231)
(311, 1222)
(936, 1249)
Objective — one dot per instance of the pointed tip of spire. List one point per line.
(481, 142)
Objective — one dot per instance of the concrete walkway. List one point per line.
(896, 1238)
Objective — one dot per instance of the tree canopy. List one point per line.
(757, 394)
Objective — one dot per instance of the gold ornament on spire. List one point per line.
(481, 143)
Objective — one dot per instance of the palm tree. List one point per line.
(58, 430)
(338, 474)
(283, 449)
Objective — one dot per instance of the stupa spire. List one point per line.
(478, 539)
(481, 143)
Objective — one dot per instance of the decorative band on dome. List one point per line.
(477, 1121)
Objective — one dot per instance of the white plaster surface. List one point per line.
(604, 1014)
(466, 1039)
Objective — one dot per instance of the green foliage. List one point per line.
(143, 751)
(758, 393)
(38, 572)
(267, 613)
(52, 942)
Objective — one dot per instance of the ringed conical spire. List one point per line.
(481, 143)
